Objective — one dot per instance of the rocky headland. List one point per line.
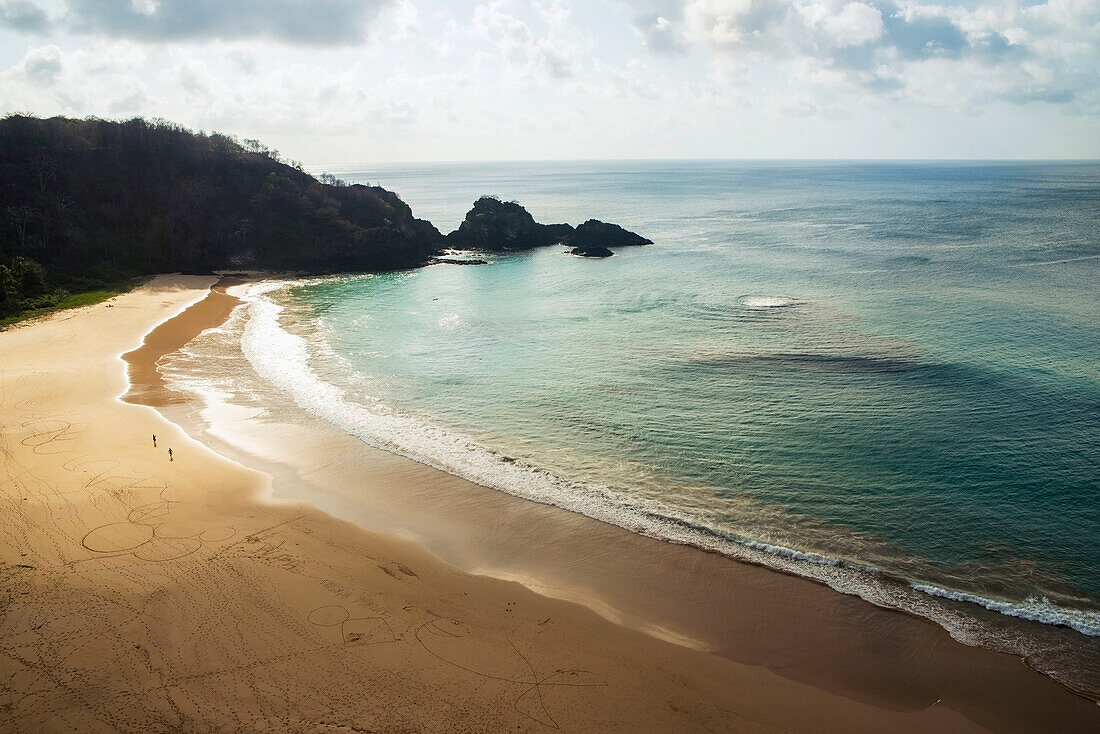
(88, 204)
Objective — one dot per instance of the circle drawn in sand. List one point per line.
(167, 549)
(216, 535)
(328, 616)
(117, 537)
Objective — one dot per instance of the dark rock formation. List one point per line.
(493, 225)
(596, 251)
(595, 233)
(559, 231)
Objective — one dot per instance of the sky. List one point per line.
(351, 82)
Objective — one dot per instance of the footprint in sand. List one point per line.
(494, 656)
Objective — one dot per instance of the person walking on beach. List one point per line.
(154, 440)
(170, 455)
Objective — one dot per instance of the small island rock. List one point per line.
(595, 233)
(591, 252)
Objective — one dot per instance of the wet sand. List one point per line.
(146, 594)
(147, 385)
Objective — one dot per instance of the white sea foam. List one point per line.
(763, 302)
(1036, 609)
(283, 359)
(451, 322)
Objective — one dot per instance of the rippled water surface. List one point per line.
(885, 370)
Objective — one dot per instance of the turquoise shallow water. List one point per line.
(887, 369)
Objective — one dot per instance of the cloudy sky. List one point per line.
(335, 82)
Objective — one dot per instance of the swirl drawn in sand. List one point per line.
(30, 406)
(50, 436)
(483, 654)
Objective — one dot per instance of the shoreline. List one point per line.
(455, 531)
(1046, 637)
(652, 602)
(145, 384)
(147, 594)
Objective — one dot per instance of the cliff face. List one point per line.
(95, 199)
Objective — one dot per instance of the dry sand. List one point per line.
(142, 594)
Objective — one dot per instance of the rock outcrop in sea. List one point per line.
(493, 225)
(591, 252)
(594, 233)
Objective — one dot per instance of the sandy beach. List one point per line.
(211, 591)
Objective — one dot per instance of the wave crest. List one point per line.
(1036, 609)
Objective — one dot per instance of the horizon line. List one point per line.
(456, 161)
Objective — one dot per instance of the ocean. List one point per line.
(883, 376)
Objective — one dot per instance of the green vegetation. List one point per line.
(63, 300)
(88, 203)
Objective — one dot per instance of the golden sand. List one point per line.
(147, 594)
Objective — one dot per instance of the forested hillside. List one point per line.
(89, 202)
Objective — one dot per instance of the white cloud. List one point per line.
(735, 25)
(132, 101)
(483, 79)
(42, 65)
(854, 24)
(997, 50)
(659, 34)
(530, 55)
(402, 20)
